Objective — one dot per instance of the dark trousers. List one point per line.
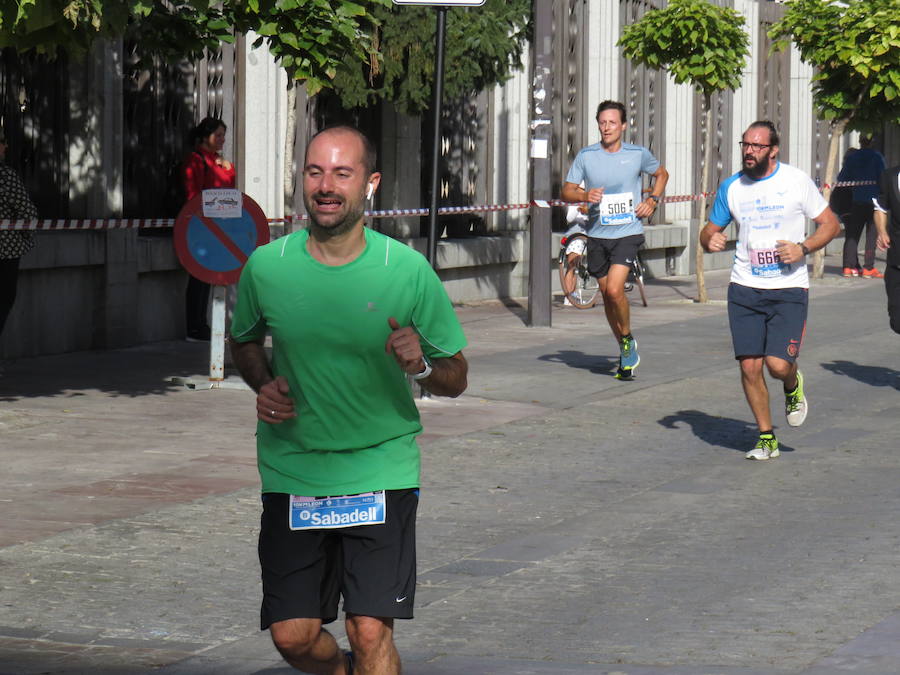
(892, 286)
(196, 301)
(860, 217)
(9, 276)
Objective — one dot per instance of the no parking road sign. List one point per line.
(216, 232)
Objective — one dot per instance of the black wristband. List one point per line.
(803, 248)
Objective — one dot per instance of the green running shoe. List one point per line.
(795, 404)
(766, 448)
(628, 353)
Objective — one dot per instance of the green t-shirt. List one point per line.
(356, 419)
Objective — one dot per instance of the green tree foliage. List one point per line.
(695, 41)
(698, 43)
(483, 47)
(178, 27)
(311, 39)
(855, 49)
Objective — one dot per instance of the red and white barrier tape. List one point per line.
(131, 223)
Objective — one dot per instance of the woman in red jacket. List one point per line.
(204, 168)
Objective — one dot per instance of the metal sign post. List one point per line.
(436, 108)
(214, 235)
(541, 136)
(437, 104)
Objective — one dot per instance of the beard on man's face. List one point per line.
(336, 223)
(756, 167)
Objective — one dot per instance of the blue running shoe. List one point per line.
(628, 353)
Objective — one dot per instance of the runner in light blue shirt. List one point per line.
(611, 172)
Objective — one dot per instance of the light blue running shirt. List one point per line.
(619, 173)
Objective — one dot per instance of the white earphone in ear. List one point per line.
(370, 192)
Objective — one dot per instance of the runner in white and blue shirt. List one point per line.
(610, 176)
(767, 210)
(768, 294)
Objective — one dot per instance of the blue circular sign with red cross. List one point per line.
(216, 232)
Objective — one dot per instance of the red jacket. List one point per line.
(201, 172)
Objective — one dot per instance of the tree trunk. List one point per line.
(837, 132)
(702, 295)
(289, 138)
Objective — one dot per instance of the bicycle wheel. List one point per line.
(580, 288)
(637, 271)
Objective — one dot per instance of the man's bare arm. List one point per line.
(881, 222)
(712, 238)
(449, 377)
(575, 193)
(827, 228)
(646, 208)
(274, 404)
(252, 363)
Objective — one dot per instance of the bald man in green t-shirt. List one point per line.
(351, 313)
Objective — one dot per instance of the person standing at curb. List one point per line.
(769, 290)
(889, 238)
(866, 166)
(351, 313)
(15, 204)
(204, 169)
(611, 172)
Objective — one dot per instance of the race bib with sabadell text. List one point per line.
(320, 513)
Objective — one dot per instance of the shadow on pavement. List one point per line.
(136, 371)
(724, 432)
(601, 365)
(876, 376)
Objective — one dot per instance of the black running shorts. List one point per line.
(373, 567)
(767, 322)
(601, 253)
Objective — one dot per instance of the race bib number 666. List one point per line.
(764, 260)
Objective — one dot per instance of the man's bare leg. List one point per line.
(372, 641)
(783, 370)
(756, 391)
(615, 302)
(306, 646)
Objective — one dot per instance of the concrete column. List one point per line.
(511, 145)
(401, 170)
(745, 98)
(603, 64)
(802, 114)
(95, 188)
(263, 109)
(683, 175)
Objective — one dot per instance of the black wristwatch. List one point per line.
(803, 247)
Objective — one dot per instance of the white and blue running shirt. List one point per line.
(767, 210)
(619, 173)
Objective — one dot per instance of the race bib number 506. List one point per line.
(617, 209)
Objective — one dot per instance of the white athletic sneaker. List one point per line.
(766, 448)
(796, 404)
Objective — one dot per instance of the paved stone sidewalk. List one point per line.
(570, 523)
